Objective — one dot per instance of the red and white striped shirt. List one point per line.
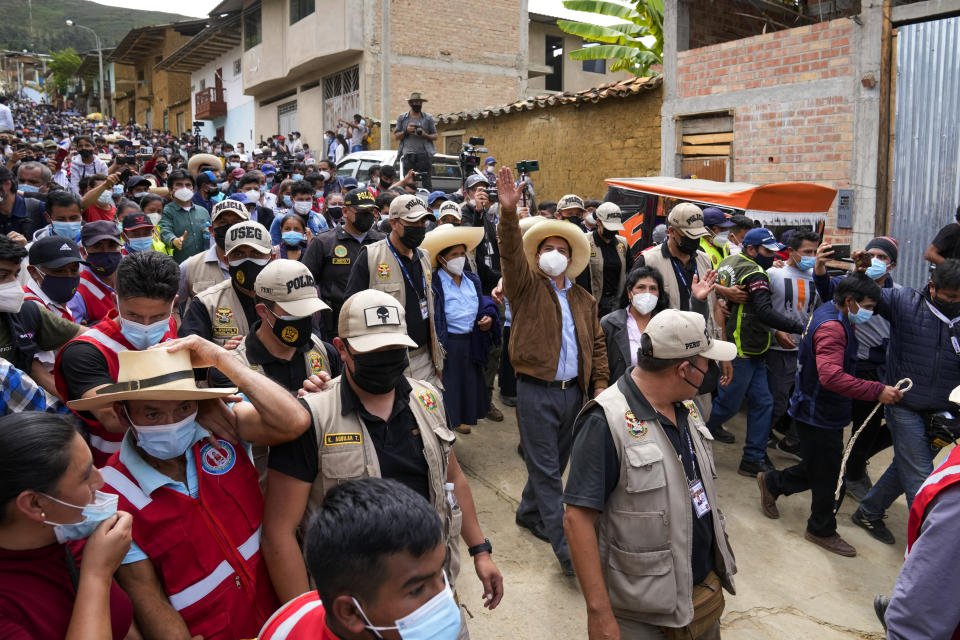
(303, 618)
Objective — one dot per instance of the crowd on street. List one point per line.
(232, 382)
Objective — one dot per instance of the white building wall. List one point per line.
(238, 124)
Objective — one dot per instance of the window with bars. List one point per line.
(342, 83)
(300, 9)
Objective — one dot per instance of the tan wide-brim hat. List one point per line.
(203, 159)
(154, 374)
(579, 246)
(527, 223)
(448, 235)
(163, 192)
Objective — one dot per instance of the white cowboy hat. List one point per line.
(579, 245)
(201, 160)
(526, 223)
(448, 235)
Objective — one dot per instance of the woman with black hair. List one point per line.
(49, 502)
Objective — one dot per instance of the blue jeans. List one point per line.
(912, 462)
(750, 381)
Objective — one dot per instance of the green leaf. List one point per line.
(592, 32)
(602, 52)
(611, 9)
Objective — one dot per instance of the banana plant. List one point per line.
(635, 44)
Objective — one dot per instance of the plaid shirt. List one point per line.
(18, 392)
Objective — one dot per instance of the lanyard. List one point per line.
(416, 254)
(679, 272)
(693, 458)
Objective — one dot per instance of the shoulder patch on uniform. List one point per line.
(622, 248)
(224, 315)
(333, 439)
(217, 461)
(427, 399)
(636, 428)
(340, 251)
(692, 408)
(383, 270)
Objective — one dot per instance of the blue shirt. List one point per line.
(567, 365)
(460, 304)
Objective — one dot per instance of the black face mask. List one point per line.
(104, 264)
(764, 261)
(413, 236)
(362, 221)
(949, 309)
(293, 332)
(417, 108)
(220, 237)
(608, 235)
(86, 153)
(336, 213)
(245, 273)
(687, 245)
(378, 372)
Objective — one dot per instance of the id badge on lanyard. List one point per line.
(424, 311)
(698, 495)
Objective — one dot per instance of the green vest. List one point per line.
(751, 336)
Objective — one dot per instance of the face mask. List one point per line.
(105, 199)
(103, 506)
(325, 175)
(378, 372)
(69, 230)
(765, 262)
(734, 249)
(104, 264)
(413, 236)
(553, 263)
(293, 238)
(806, 263)
(183, 194)
(297, 177)
(318, 194)
(363, 220)
(11, 297)
(86, 153)
(140, 244)
(118, 190)
(456, 265)
(29, 188)
(59, 288)
(167, 441)
(862, 315)
(721, 239)
(220, 237)
(143, 336)
(644, 303)
(949, 309)
(417, 108)
(606, 234)
(437, 619)
(303, 208)
(687, 245)
(335, 212)
(876, 269)
(287, 202)
(253, 195)
(224, 186)
(292, 331)
(263, 188)
(245, 272)
(233, 165)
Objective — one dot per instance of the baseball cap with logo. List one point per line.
(231, 205)
(289, 284)
(570, 201)
(675, 334)
(136, 220)
(450, 208)
(610, 216)
(360, 199)
(248, 234)
(688, 218)
(409, 208)
(372, 319)
(94, 232)
(761, 237)
(54, 252)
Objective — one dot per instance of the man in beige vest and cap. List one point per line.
(227, 310)
(372, 421)
(396, 265)
(609, 260)
(203, 270)
(645, 529)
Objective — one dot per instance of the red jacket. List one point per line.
(98, 298)
(206, 550)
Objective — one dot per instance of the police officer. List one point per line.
(609, 263)
(330, 257)
(228, 310)
(715, 244)
(371, 421)
(203, 270)
(397, 266)
(642, 514)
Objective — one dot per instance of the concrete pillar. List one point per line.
(676, 37)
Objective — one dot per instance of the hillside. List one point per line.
(50, 32)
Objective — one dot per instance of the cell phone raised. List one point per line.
(840, 252)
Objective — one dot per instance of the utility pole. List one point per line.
(103, 92)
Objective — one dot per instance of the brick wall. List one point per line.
(578, 145)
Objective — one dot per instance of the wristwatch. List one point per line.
(480, 548)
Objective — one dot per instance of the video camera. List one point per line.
(470, 155)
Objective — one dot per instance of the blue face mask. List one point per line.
(118, 190)
(806, 263)
(263, 188)
(69, 230)
(862, 315)
(437, 619)
(297, 177)
(166, 441)
(318, 194)
(140, 244)
(103, 506)
(293, 238)
(876, 269)
(143, 336)
(28, 188)
(287, 202)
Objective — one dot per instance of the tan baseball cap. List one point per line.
(289, 284)
(249, 234)
(688, 218)
(682, 334)
(571, 201)
(232, 206)
(409, 208)
(610, 216)
(449, 208)
(371, 319)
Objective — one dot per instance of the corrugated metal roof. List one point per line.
(621, 89)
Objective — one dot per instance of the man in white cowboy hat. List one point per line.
(557, 349)
(372, 421)
(609, 261)
(415, 132)
(645, 529)
(194, 568)
(227, 309)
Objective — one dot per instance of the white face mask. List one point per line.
(325, 176)
(455, 266)
(11, 297)
(553, 263)
(721, 239)
(183, 194)
(644, 302)
(303, 208)
(253, 195)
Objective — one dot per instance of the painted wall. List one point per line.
(239, 122)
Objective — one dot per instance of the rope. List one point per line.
(903, 385)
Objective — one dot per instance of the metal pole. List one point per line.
(385, 74)
(103, 89)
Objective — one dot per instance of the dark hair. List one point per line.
(635, 275)
(384, 199)
(300, 188)
(591, 203)
(388, 171)
(146, 198)
(375, 169)
(10, 251)
(34, 453)
(293, 216)
(125, 204)
(180, 174)
(569, 246)
(84, 138)
(857, 286)
(549, 205)
(443, 252)
(62, 198)
(653, 365)
(357, 117)
(957, 216)
(148, 274)
(361, 522)
(799, 236)
(342, 140)
(313, 178)
(947, 274)
(741, 222)
(247, 178)
(326, 161)
(203, 178)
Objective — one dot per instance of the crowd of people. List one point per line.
(232, 383)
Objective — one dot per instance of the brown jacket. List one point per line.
(536, 323)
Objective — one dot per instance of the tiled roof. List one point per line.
(621, 89)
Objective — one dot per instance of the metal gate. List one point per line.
(287, 118)
(926, 152)
(341, 97)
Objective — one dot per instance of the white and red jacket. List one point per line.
(98, 298)
(109, 340)
(32, 291)
(206, 550)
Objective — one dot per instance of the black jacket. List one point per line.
(614, 327)
(488, 257)
(330, 258)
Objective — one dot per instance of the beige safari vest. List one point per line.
(596, 265)
(200, 275)
(386, 276)
(653, 257)
(346, 452)
(227, 319)
(645, 530)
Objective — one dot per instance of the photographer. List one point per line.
(476, 202)
(416, 132)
